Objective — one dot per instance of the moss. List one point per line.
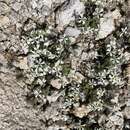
(104, 63)
(92, 22)
(129, 40)
(89, 8)
(66, 70)
(47, 90)
(103, 60)
(87, 128)
(66, 67)
(52, 48)
(89, 91)
(67, 41)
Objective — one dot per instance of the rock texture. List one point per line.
(66, 14)
(15, 112)
(108, 23)
(64, 64)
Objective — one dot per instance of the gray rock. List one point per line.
(4, 8)
(16, 6)
(4, 20)
(128, 103)
(72, 32)
(107, 23)
(56, 83)
(127, 112)
(2, 36)
(117, 119)
(65, 16)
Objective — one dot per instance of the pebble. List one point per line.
(4, 20)
(2, 36)
(81, 111)
(22, 63)
(127, 112)
(56, 83)
(65, 16)
(72, 32)
(117, 119)
(107, 24)
(17, 6)
(4, 9)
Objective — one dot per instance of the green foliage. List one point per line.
(89, 91)
(66, 67)
(92, 22)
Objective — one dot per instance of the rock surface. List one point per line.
(4, 21)
(56, 83)
(15, 112)
(65, 16)
(72, 32)
(63, 63)
(107, 24)
(81, 111)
